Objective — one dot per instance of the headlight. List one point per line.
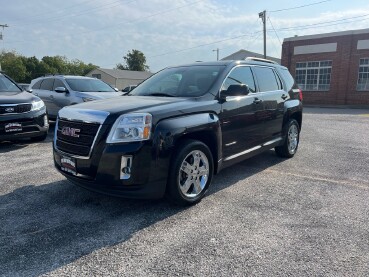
(37, 105)
(86, 99)
(131, 127)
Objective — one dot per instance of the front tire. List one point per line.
(191, 173)
(291, 142)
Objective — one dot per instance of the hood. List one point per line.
(100, 95)
(17, 97)
(159, 107)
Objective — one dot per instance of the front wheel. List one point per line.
(291, 142)
(191, 173)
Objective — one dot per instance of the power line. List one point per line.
(274, 30)
(298, 7)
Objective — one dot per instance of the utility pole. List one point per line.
(217, 50)
(1, 37)
(262, 15)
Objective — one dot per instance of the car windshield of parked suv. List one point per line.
(186, 81)
(7, 86)
(88, 85)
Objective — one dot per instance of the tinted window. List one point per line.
(58, 83)
(7, 85)
(88, 85)
(186, 81)
(240, 75)
(37, 84)
(266, 78)
(47, 84)
(287, 78)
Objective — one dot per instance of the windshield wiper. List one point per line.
(160, 94)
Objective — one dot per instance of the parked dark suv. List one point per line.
(22, 115)
(178, 128)
(61, 90)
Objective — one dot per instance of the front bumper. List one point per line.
(102, 171)
(34, 124)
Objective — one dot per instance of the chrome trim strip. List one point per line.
(252, 149)
(231, 143)
(69, 154)
(272, 141)
(242, 153)
(83, 115)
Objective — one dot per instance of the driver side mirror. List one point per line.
(234, 90)
(61, 90)
(29, 90)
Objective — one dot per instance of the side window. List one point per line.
(266, 78)
(240, 75)
(58, 83)
(47, 84)
(287, 78)
(37, 85)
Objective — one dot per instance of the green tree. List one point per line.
(134, 60)
(13, 65)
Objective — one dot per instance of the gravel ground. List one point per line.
(267, 216)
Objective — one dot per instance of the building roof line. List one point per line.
(325, 35)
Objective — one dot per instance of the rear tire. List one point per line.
(291, 142)
(190, 174)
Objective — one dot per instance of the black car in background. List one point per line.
(22, 115)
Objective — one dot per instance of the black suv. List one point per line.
(178, 128)
(22, 115)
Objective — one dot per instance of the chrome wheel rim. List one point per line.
(193, 174)
(293, 137)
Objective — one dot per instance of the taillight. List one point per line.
(300, 94)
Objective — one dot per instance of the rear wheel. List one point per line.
(191, 173)
(291, 142)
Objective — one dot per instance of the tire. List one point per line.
(190, 174)
(291, 142)
(39, 138)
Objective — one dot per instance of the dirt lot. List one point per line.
(266, 216)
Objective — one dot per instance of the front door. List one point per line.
(241, 125)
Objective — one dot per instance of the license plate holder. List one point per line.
(68, 164)
(13, 127)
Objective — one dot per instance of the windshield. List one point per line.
(186, 81)
(89, 85)
(6, 85)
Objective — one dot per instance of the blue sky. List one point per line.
(167, 32)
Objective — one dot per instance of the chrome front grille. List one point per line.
(75, 138)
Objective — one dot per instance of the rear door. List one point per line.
(241, 127)
(44, 93)
(273, 95)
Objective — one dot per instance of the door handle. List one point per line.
(284, 96)
(257, 101)
(36, 94)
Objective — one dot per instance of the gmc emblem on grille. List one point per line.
(9, 110)
(72, 132)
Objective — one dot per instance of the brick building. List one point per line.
(332, 68)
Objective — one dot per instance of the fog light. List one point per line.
(46, 121)
(125, 167)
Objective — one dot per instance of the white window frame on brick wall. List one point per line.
(314, 75)
(363, 75)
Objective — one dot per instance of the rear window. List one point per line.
(266, 78)
(47, 84)
(89, 85)
(6, 85)
(288, 79)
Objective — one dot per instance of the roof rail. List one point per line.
(260, 60)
